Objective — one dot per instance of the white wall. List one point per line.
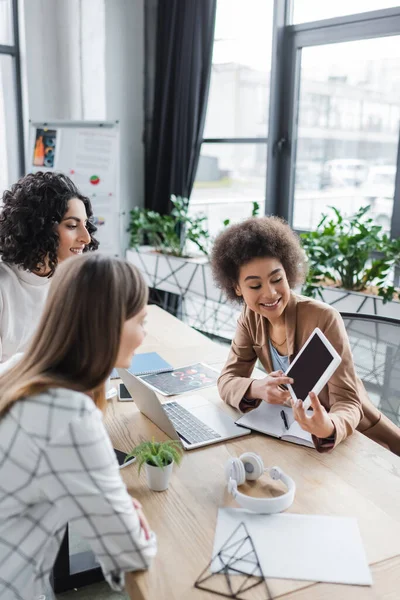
(125, 92)
(84, 59)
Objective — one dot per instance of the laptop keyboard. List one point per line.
(188, 426)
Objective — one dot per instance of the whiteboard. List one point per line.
(88, 152)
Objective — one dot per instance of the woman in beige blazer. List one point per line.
(259, 262)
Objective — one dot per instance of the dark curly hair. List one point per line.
(258, 237)
(30, 210)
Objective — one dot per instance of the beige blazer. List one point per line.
(344, 396)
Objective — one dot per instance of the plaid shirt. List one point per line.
(57, 466)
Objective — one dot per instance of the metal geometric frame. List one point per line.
(375, 345)
(204, 306)
(232, 552)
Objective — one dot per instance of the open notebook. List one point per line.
(267, 419)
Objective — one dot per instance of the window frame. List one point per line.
(261, 140)
(13, 50)
(284, 107)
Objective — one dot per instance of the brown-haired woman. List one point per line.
(259, 262)
(57, 464)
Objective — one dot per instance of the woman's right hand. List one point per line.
(268, 389)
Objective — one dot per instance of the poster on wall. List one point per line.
(44, 148)
(89, 154)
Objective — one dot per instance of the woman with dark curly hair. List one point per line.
(44, 220)
(258, 262)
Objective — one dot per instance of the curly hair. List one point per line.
(30, 210)
(258, 237)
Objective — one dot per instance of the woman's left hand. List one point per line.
(318, 423)
(142, 519)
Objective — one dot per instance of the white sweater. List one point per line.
(22, 298)
(58, 466)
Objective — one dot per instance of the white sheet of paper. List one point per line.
(305, 547)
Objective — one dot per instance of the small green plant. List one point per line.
(169, 234)
(350, 252)
(157, 454)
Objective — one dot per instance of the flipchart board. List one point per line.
(88, 152)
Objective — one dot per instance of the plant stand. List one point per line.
(158, 478)
(203, 305)
(357, 302)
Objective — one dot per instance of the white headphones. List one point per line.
(251, 466)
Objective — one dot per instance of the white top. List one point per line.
(57, 466)
(22, 298)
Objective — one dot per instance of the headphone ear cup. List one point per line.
(234, 469)
(253, 465)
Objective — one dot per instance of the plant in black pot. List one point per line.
(158, 458)
(350, 252)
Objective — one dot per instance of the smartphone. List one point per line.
(121, 458)
(123, 393)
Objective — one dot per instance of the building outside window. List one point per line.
(232, 168)
(347, 116)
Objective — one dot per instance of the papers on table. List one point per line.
(305, 547)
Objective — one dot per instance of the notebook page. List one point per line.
(266, 419)
(295, 433)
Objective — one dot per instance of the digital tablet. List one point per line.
(312, 368)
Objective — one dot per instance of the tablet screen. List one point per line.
(312, 364)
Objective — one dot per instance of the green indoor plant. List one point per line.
(158, 458)
(352, 253)
(168, 234)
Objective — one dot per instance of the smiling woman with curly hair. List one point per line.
(259, 262)
(43, 221)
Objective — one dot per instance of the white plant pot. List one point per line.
(359, 302)
(157, 478)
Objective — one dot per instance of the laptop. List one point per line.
(193, 420)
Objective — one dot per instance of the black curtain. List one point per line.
(177, 81)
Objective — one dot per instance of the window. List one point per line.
(11, 142)
(315, 10)
(348, 132)
(335, 112)
(232, 168)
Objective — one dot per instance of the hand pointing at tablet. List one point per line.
(318, 423)
(269, 388)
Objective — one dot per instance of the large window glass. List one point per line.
(315, 10)
(10, 167)
(9, 159)
(348, 129)
(6, 27)
(231, 171)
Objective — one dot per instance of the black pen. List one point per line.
(283, 415)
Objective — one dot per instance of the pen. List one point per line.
(284, 419)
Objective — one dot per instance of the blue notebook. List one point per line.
(146, 364)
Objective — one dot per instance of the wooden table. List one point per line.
(359, 479)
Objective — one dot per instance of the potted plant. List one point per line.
(351, 253)
(169, 234)
(159, 459)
